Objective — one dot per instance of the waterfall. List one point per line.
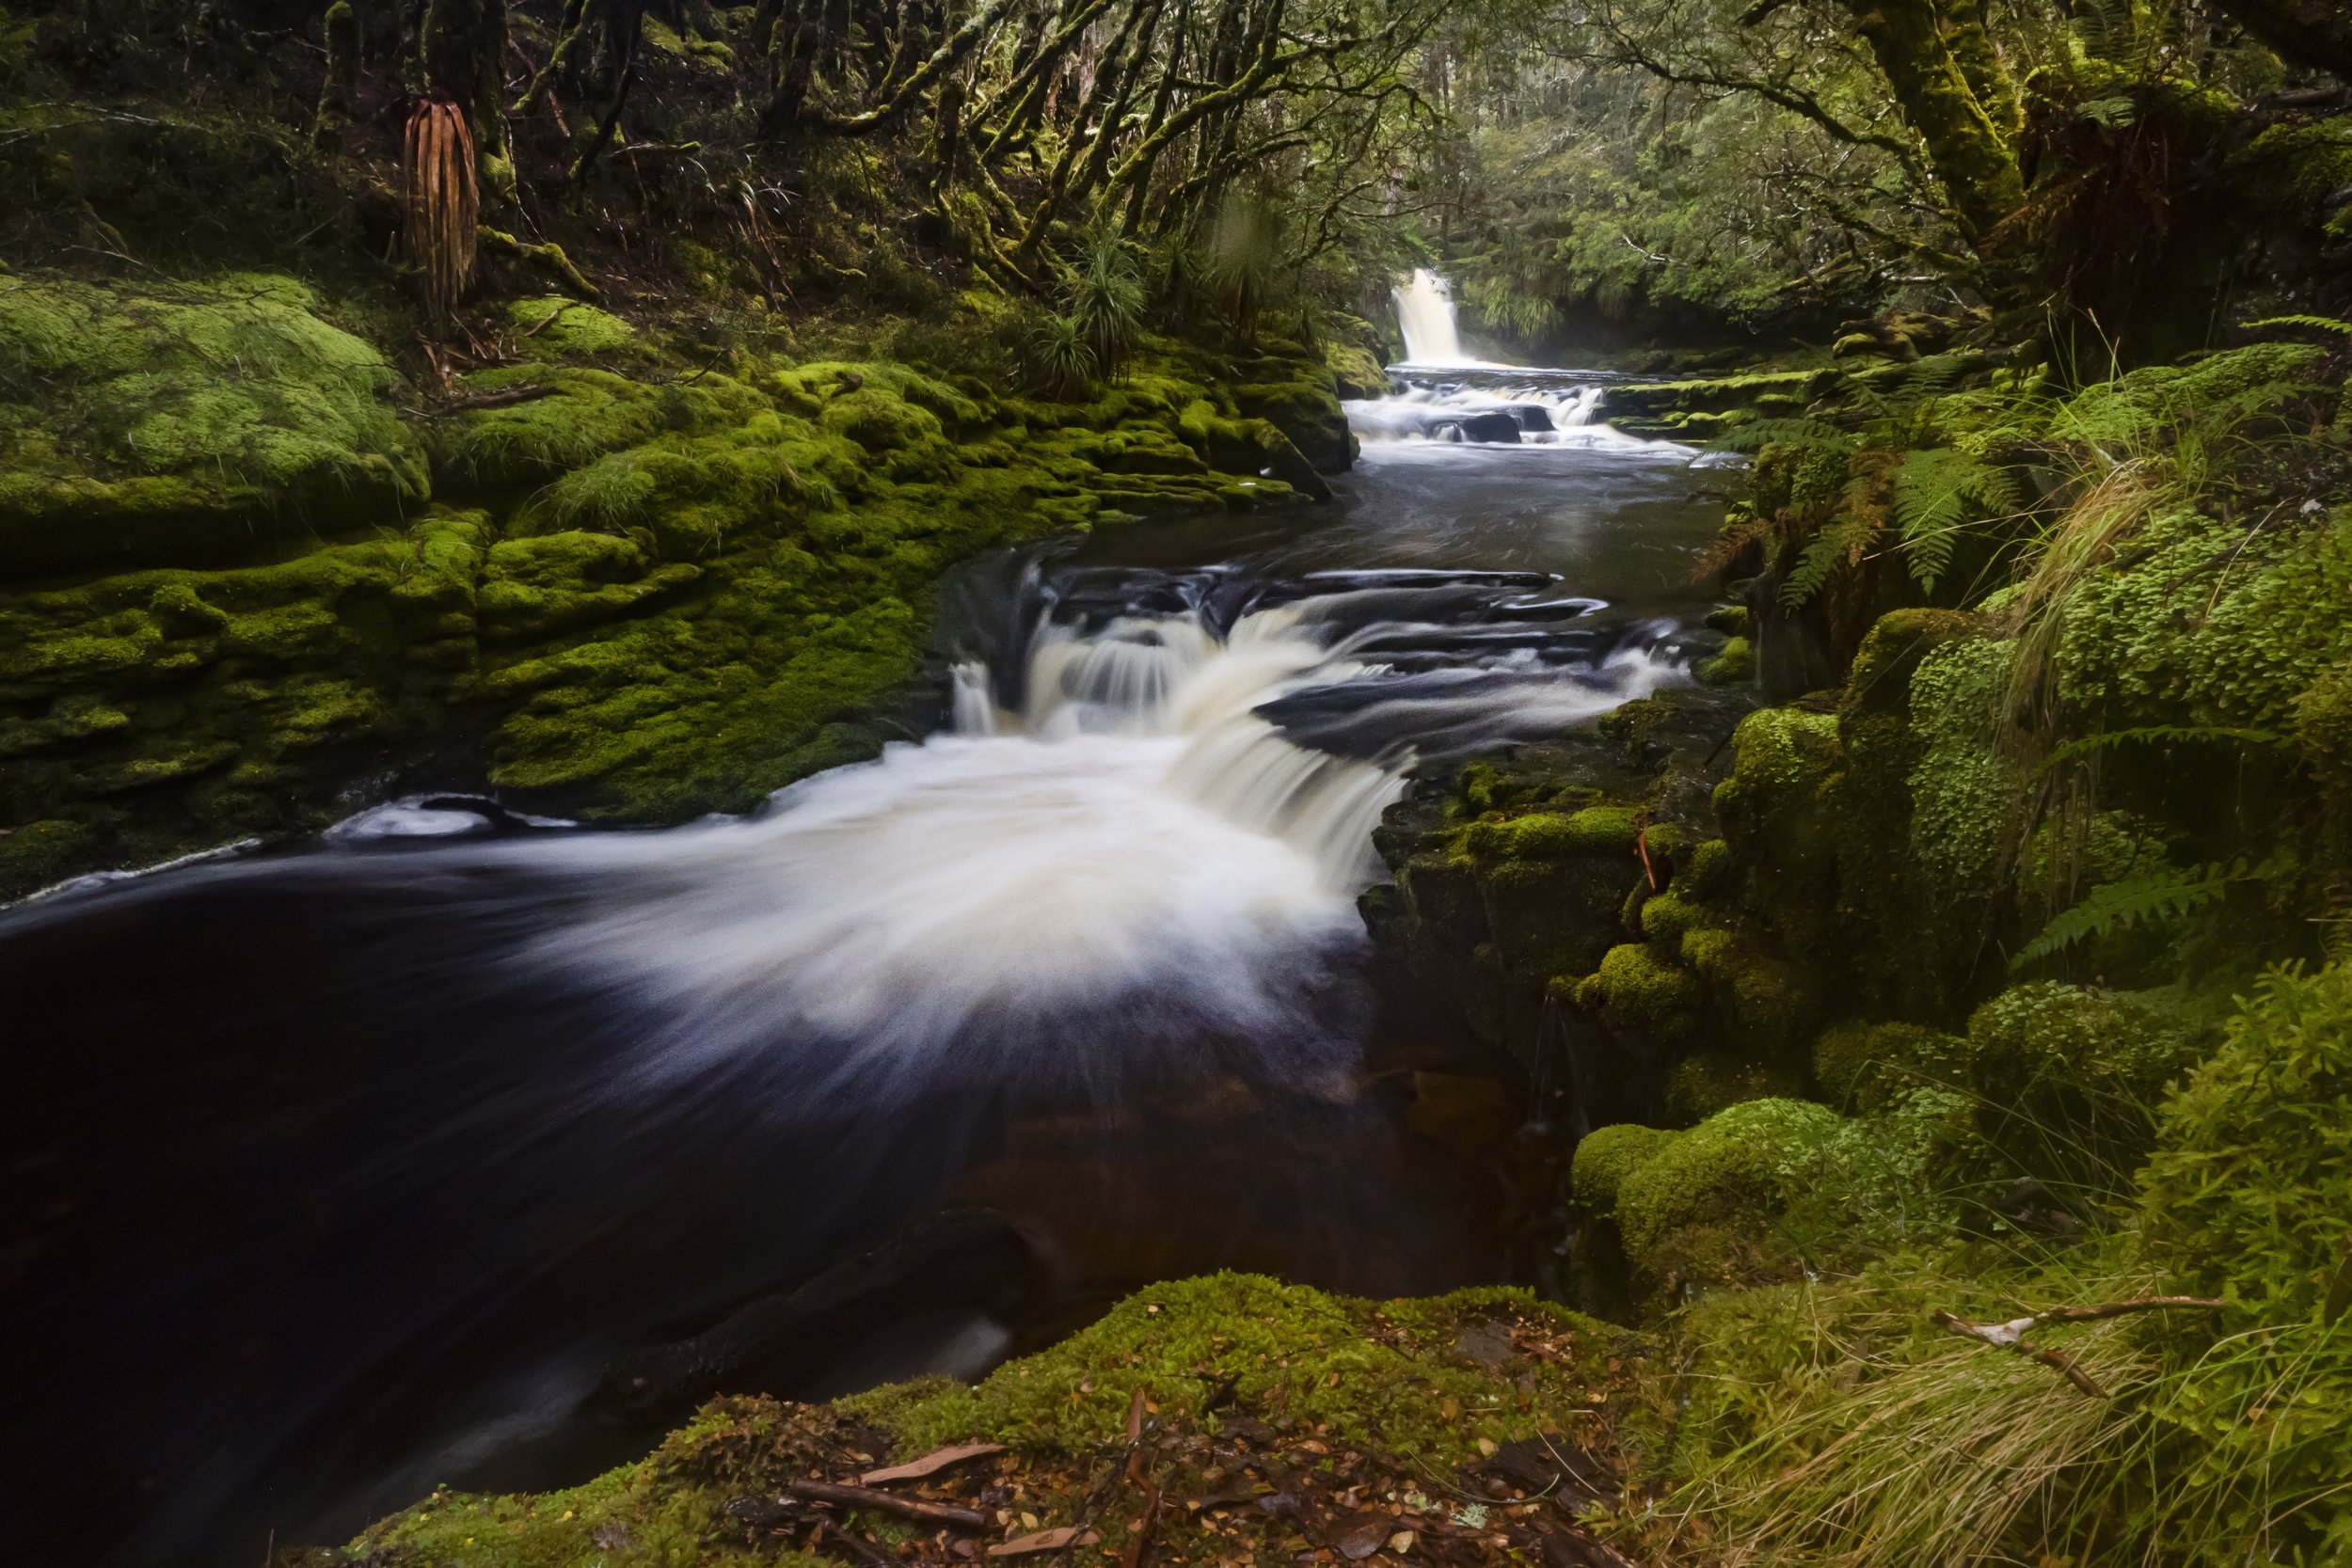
(1424, 313)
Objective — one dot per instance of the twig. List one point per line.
(887, 1502)
(2007, 1337)
(1138, 1472)
(859, 1547)
(2011, 1336)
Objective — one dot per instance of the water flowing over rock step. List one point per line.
(1382, 665)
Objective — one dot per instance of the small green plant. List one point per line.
(1058, 357)
(1105, 299)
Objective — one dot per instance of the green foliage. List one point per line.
(2335, 324)
(2246, 1197)
(2155, 898)
(1105, 298)
(1938, 493)
(1059, 357)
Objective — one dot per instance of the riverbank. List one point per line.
(257, 579)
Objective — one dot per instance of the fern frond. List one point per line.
(2159, 734)
(2308, 324)
(2160, 896)
(1756, 434)
(1842, 543)
(1935, 495)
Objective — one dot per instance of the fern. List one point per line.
(2163, 895)
(1936, 494)
(1756, 434)
(2308, 323)
(2158, 734)
(1842, 542)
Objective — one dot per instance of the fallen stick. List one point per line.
(2008, 1336)
(2011, 1336)
(887, 1502)
(767, 1516)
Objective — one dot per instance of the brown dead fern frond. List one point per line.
(443, 204)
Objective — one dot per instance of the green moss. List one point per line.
(1738, 1167)
(1667, 917)
(1733, 663)
(1965, 794)
(567, 329)
(1606, 1156)
(1393, 1379)
(1641, 998)
(1379, 1377)
(185, 422)
(2070, 1077)
(1553, 835)
(1890, 654)
(1711, 872)
(1770, 1004)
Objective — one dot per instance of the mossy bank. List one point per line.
(251, 576)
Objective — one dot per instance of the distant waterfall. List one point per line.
(1424, 313)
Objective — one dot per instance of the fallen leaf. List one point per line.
(1045, 1540)
(930, 1463)
(1358, 1538)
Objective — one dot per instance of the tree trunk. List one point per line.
(464, 45)
(1928, 58)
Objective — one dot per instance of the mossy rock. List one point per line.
(1554, 835)
(1425, 1385)
(188, 423)
(1738, 1167)
(1643, 998)
(1880, 677)
(555, 327)
(1606, 1155)
(1731, 665)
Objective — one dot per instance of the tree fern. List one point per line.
(2163, 895)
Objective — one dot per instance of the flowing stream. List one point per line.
(417, 1156)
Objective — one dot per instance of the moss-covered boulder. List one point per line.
(179, 423)
(1737, 1168)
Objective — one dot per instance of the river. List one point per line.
(401, 1160)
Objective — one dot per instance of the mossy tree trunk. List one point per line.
(1943, 68)
(341, 91)
(463, 44)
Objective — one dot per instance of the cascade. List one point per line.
(1424, 313)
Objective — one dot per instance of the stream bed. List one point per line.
(472, 1147)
